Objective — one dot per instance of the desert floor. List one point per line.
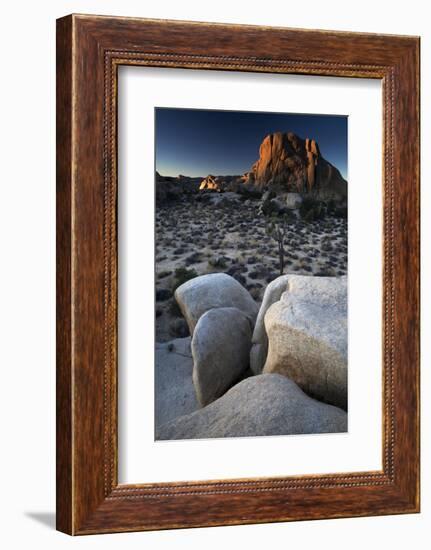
(231, 238)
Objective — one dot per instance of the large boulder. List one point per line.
(259, 348)
(307, 335)
(221, 349)
(288, 163)
(267, 404)
(206, 292)
(293, 201)
(174, 391)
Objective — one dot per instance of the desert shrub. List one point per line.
(163, 274)
(163, 294)
(331, 206)
(179, 328)
(218, 262)
(174, 309)
(341, 212)
(335, 209)
(182, 275)
(311, 210)
(325, 272)
(240, 278)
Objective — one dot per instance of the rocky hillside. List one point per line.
(171, 188)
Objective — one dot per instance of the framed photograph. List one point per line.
(237, 274)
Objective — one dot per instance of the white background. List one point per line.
(27, 217)
(143, 460)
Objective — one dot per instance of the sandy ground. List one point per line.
(231, 238)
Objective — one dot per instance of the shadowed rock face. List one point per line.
(288, 163)
(259, 348)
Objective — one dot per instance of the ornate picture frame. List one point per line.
(89, 51)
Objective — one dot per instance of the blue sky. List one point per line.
(198, 142)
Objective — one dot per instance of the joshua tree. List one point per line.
(276, 227)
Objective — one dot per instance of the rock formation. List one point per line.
(288, 163)
(267, 404)
(209, 183)
(297, 353)
(221, 183)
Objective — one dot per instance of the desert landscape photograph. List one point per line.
(251, 260)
